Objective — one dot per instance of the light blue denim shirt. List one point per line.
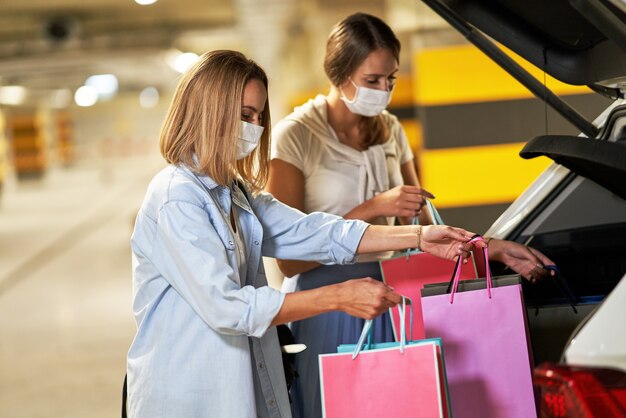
(204, 346)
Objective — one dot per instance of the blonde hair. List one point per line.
(348, 45)
(203, 120)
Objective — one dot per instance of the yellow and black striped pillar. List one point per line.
(474, 118)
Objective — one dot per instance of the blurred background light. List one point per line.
(12, 95)
(86, 96)
(60, 98)
(184, 61)
(105, 84)
(149, 97)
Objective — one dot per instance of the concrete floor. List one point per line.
(65, 288)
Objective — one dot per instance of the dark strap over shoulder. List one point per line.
(242, 187)
(124, 395)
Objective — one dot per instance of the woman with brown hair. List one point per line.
(343, 153)
(206, 342)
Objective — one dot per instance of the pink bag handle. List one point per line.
(457, 269)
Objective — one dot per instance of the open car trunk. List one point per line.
(574, 213)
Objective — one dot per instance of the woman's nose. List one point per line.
(386, 85)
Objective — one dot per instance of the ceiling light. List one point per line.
(86, 96)
(105, 84)
(184, 61)
(12, 95)
(145, 2)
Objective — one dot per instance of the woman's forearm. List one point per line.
(388, 238)
(366, 211)
(292, 267)
(440, 240)
(364, 298)
(306, 303)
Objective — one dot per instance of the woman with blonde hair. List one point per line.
(206, 342)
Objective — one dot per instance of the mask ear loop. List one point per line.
(356, 92)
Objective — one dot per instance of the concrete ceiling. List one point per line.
(47, 45)
(55, 44)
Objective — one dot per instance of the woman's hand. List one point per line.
(401, 201)
(526, 261)
(366, 298)
(447, 241)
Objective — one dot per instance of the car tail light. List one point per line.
(580, 392)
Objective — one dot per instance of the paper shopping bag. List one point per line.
(408, 274)
(384, 383)
(405, 379)
(483, 327)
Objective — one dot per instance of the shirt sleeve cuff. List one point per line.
(264, 303)
(346, 239)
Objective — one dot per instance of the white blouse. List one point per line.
(338, 177)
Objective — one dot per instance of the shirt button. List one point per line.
(256, 242)
(261, 365)
(230, 243)
(272, 403)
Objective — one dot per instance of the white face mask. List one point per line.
(248, 139)
(367, 102)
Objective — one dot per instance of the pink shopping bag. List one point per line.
(408, 274)
(483, 327)
(405, 379)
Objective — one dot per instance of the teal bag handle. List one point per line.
(437, 220)
(367, 328)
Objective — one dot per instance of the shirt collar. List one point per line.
(237, 195)
(240, 198)
(207, 181)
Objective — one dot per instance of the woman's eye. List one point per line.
(250, 118)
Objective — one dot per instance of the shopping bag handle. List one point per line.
(367, 327)
(437, 220)
(456, 275)
(561, 283)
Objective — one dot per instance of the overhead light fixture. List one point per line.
(86, 96)
(145, 2)
(149, 97)
(180, 61)
(105, 84)
(12, 95)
